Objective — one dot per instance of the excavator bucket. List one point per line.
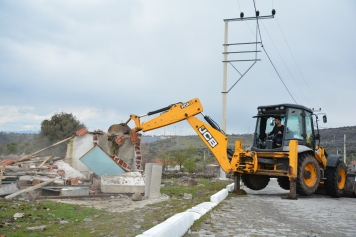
(125, 151)
(119, 129)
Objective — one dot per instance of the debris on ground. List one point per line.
(77, 175)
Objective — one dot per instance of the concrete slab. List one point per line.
(7, 189)
(131, 182)
(65, 190)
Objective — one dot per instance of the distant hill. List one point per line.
(332, 139)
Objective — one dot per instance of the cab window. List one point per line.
(294, 124)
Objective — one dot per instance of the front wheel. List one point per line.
(335, 179)
(255, 182)
(283, 182)
(308, 174)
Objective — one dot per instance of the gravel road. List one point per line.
(264, 213)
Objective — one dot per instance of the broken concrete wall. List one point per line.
(80, 145)
(76, 148)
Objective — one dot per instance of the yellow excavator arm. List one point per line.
(211, 135)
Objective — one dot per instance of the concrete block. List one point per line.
(8, 189)
(230, 187)
(176, 225)
(219, 196)
(26, 177)
(155, 185)
(148, 174)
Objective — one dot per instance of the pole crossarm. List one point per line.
(243, 52)
(250, 18)
(244, 60)
(242, 43)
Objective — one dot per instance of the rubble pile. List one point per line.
(17, 175)
(93, 165)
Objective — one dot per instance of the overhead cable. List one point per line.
(269, 57)
(285, 64)
(296, 63)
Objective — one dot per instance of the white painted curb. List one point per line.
(230, 187)
(219, 196)
(176, 225)
(179, 224)
(201, 209)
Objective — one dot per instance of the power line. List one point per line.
(297, 63)
(269, 57)
(285, 64)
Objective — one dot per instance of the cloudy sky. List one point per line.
(104, 60)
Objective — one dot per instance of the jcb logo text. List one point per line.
(208, 137)
(185, 105)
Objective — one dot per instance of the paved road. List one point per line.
(264, 213)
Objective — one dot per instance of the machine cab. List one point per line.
(296, 123)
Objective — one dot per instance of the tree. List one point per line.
(184, 157)
(165, 159)
(59, 127)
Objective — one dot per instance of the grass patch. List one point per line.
(100, 222)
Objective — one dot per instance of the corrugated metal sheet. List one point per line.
(100, 163)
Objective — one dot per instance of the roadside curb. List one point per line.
(180, 223)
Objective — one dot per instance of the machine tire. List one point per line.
(335, 179)
(255, 182)
(308, 174)
(283, 182)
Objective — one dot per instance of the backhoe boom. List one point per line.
(210, 134)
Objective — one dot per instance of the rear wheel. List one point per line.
(308, 174)
(255, 182)
(335, 179)
(283, 182)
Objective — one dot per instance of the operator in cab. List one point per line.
(278, 130)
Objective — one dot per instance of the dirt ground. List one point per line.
(120, 203)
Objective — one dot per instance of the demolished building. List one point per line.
(95, 163)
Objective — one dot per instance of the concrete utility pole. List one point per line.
(224, 89)
(345, 148)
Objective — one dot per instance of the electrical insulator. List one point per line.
(241, 14)
(273, 12)
(257, 13)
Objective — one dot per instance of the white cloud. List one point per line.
(104, 60)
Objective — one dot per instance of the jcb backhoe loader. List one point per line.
(299, 164)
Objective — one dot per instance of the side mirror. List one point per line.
(325, 119)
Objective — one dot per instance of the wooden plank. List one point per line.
(16, 168)
(45, 160)
(29, 156)
(33, 198)
(28, 189)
